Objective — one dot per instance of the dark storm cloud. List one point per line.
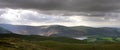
(69, 5)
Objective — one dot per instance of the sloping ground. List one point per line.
(103, 31)
(22, 42)
(4, 31)
(14, 44)
(42, 38)
(18, 44)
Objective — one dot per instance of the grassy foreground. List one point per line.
(33, 42)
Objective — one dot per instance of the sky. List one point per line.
(96, 13)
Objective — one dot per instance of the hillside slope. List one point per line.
(4, 31)
(58, 30)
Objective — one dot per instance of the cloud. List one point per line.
(37, 18)
(68, 5)
(61, 12)
(96, 8)
(20, 16)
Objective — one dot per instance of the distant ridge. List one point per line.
(58, 30)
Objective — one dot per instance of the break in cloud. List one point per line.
(61, 12)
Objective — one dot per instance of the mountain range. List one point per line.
(58, 30)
